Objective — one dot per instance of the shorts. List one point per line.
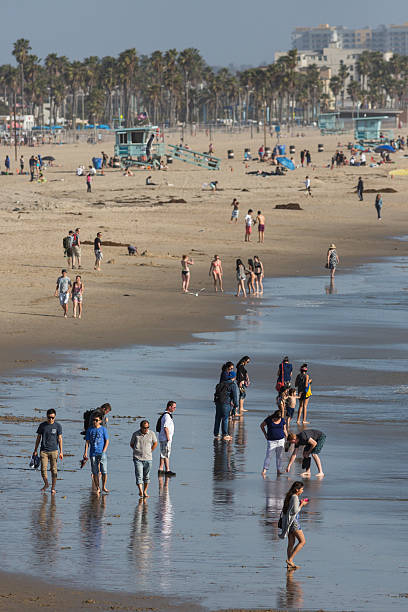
(45, 456)
(295, 526)
(99, 462)
(69, 252)
(319, 446)
(261, 227)
(77, 297)
(98, 255)
(248, 230)
(76, 251)
(165, 449)
(302, 396)
(242, 392)
(235, 214)
(290, 412)
(63, 298)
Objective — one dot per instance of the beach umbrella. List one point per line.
(49, 158)
(288, 163)
(384, 147)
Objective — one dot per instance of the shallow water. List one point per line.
(211, 532)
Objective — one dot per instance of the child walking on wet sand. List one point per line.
(185, 272)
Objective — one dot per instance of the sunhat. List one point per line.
(332, 246)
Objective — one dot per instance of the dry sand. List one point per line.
(138, 299)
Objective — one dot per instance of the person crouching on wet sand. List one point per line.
(49, 433)
(289, 523)
(313, 441)
(185, 272)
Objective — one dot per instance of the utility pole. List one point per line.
(264, 122)
(15, 128)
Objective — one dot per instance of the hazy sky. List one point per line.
(225, 31)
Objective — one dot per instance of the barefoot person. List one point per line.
(378, 205)
(63, 291)
(259, 273)
(241, 275)
(77, 293)
(166, 434)
(98, 251)
(185, 272)
(242, 382)
(248, 225)
(275, 432)
(260, 219)
(216, 271)
(302, 383)
(235, 211)
(313, 441)
(97, 441)
(332, 260)
(49, 433)
(290, 523)
(143, 443)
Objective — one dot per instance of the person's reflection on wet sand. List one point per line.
(91, 513)
(290, 596)
(223, 469)
(140, 544)
(331, 289)
(275, 491)
(46, 527)
(164, 530)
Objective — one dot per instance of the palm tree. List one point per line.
(21, 51)
(191, 65)
(343, 73)
(335, 86)
(127, 66)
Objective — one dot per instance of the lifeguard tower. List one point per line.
(367, 130)
(330, 123)
(136, 146)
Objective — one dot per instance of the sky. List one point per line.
(239, 32)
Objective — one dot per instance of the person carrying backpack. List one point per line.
(165, 428)
(225, 397)
(67, 243)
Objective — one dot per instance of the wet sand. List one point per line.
(211, 533)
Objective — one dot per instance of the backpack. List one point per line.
(158, 423)
(88, 415)
(66, 242)
(221, 394)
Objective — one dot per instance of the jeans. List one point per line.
(222, 412)
(99, 462)
(277, 446)
(378, 208)
(142, 470)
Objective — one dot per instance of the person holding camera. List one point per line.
(289, 522)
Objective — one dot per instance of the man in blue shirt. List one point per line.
(97, 441)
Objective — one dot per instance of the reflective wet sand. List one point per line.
(211, 532)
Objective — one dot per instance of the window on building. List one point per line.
(137, 137)
(123, 138)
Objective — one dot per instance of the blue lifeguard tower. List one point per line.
(367, 130)
(137, 146)
(330, 123)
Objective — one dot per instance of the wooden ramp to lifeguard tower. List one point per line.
(203, 160)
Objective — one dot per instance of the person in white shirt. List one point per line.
(248, 225)
(363, 159)
(165, 439)
(307, 186)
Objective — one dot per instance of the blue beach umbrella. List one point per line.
(288, 163)
(384, 147)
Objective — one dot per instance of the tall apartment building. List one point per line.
(392, 38)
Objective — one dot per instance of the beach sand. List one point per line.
(138, 299)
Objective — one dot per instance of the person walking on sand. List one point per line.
(216, 272)
(302, 157)
(259, 273)
(241, 275)
(76, 249)
(242, 382)
(308, 186)
(260, 219)
(49, 433)
(303, 385)
(289, 523)
(275, 432)
(235, 211)
(185, 272)
(313, 441)
(98, 251)
(248, 225)
(308, 158)
(143, 443)
(63, 291)
(67, 244)
(22, 164)
(360, 188)
(225, 400)
(378, 205)
(77, 296)
(332, 259)
(97, 441)
(165, 438)
(89, 181)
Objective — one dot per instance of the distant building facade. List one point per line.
(386, 39)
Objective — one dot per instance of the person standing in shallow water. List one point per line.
(290, 523)
(49, 433)
(332, 260)
(302, 383)
(143, 443)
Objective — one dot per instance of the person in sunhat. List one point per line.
(332, 259)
